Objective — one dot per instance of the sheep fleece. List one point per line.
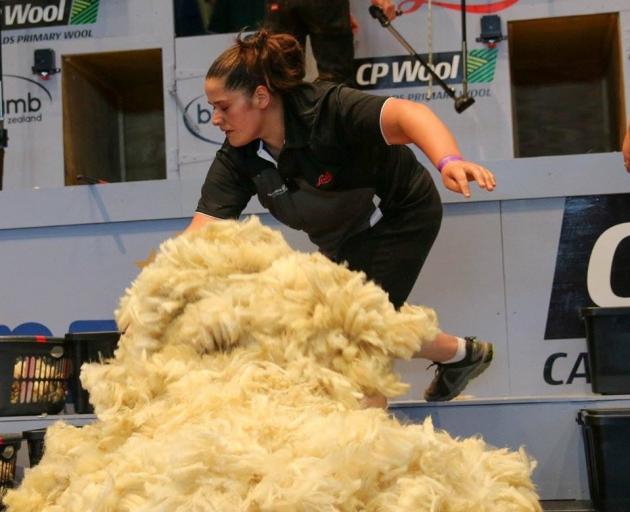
(237, 386)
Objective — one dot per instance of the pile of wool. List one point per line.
(237, 386)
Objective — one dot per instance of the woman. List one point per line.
(331, 161)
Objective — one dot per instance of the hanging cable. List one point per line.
(430, 46)
(464, 54)
(4, 138)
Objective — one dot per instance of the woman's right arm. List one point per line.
(198, 221)
(225, 192)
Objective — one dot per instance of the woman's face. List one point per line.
(235, 112)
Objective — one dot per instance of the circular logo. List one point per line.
(24, 100)
(198, 121)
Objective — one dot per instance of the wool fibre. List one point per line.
(237, 386)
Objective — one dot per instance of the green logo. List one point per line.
(84, 12)
(481, 64)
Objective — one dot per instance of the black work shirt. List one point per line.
(334, 161)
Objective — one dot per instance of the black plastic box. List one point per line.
(34, 373)
(608, 345)
(606, 434)
(88, 347)
(9, 447)
(35, 443)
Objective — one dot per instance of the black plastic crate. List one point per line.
(608, 345)
(9, 447)
(35, 443)
(606, 433)
(89, 347)
(34, 374)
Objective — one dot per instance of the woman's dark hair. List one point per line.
(262, 58)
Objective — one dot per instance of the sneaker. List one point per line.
(451, 379)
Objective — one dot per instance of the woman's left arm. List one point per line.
(405, 122)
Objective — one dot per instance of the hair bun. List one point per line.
(261, 58)
(258, 40)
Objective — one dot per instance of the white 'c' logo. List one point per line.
(600, 267)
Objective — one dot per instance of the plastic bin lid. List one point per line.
(30, 339)
(35, 434)
(604, 416)
(9, 438)
(605, 311)
(93, 336)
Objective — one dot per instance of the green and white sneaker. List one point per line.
(451, 379)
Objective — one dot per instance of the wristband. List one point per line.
(447, 159)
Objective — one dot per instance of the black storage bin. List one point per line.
(34, 372)
(9, 447)
(89, 347)
(606, 434)
(608, 345)
(35, 442)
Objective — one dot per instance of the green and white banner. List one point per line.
(406, 71)
(21, 14)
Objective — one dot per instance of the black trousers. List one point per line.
(327, 22)
(393, 252)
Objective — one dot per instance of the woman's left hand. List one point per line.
(457, 174)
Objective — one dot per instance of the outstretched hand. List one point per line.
(457, 174)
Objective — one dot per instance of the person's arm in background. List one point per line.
(626, 149)
(387, 7)
(404, 122)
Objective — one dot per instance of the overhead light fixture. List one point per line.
(44, 64)
(490, 30)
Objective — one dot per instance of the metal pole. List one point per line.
(378, 13)
(461, 102)
(464, 52)
(3, 132)
(1, 102)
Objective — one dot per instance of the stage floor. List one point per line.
(567, 506)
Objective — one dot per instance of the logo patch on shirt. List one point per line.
(278, 192)
(324, 178)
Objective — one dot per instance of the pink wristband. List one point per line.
(449, 158)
